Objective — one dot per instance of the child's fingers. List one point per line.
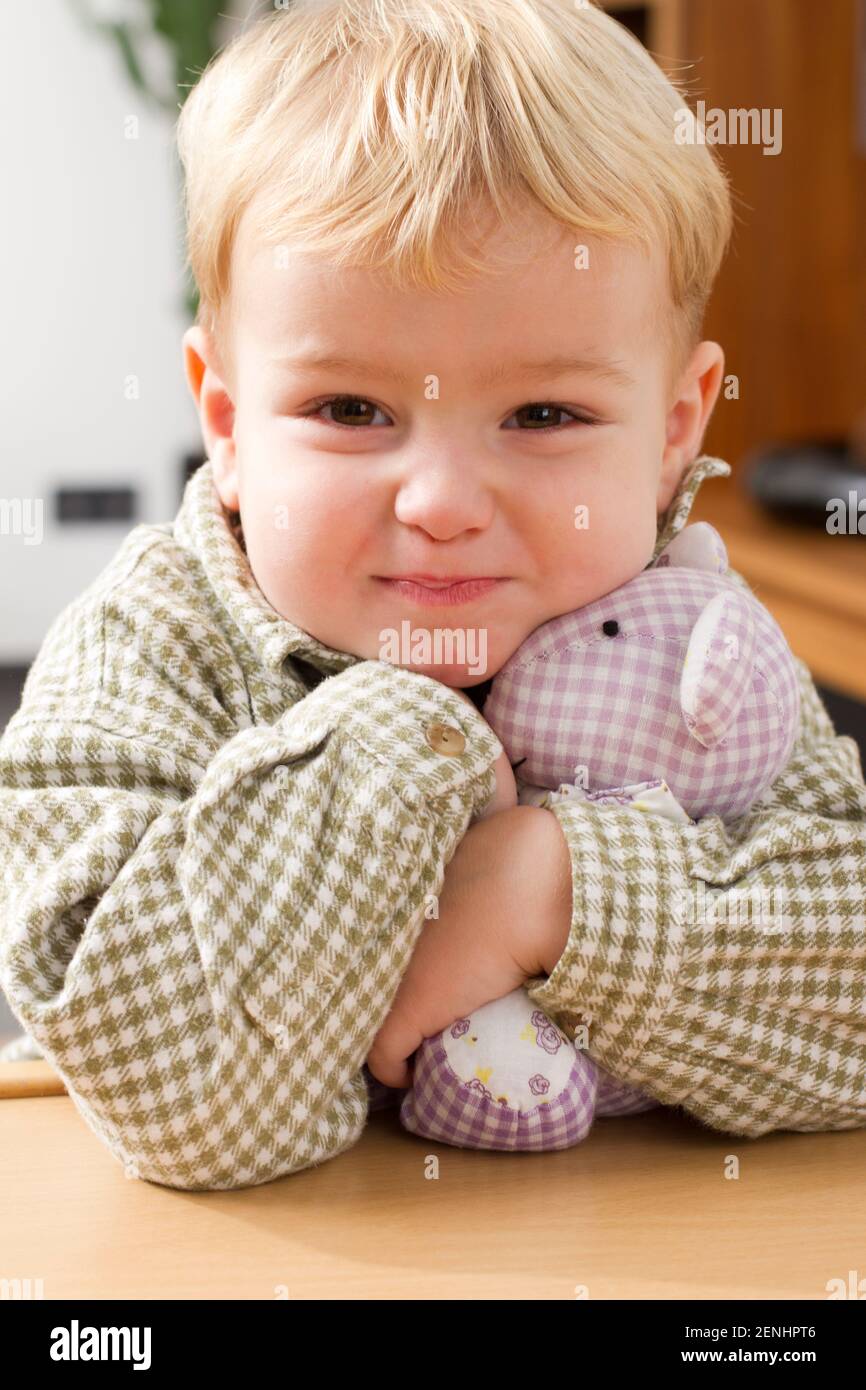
(389, 1072)
(393, 1045)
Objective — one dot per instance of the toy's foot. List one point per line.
(618, 1098)
(504, 1078)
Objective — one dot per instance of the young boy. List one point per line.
(452, 264)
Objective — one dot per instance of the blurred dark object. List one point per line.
(822, 483)
(95, 504)
(848, 716)
(635, 18)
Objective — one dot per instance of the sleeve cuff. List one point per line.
(621, 964)
(432, 741)
(415, 760)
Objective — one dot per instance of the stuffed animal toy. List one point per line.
(674, 695)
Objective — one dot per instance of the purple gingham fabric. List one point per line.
(618, 1098)
(715, 688)
(440, 1106)
(575, 702)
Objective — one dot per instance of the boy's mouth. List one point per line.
(436, 590)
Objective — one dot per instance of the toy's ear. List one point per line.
(696, 547)
(718, 666)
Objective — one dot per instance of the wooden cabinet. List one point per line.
(789, 306)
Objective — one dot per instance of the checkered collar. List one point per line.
(214, 536)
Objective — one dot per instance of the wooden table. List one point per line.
(642, 1209)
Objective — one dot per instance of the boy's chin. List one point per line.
(455, 677)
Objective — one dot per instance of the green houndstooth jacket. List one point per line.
(220, 837)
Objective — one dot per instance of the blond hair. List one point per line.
(367, 129)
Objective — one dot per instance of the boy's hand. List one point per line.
(504, 909)
(504, 794)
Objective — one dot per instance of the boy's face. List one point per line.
(472, 464)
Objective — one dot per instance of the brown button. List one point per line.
(444, 738)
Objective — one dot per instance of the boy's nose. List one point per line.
(445, 501)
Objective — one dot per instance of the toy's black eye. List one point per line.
(610, 628)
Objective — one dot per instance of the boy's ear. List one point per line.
(216, 412)
(688, 416)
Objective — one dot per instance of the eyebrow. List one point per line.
(550, 368)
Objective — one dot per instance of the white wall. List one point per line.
(91, 291)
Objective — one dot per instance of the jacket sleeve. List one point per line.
(207, 969)
(723, 969)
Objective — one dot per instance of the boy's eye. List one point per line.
(358, 412)
(540, 426)
(356, 408)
